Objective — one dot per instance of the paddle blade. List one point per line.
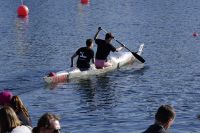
(138, 57)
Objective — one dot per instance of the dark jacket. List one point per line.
(155, 128)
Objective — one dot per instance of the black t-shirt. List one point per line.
(84, 56)
(103, 49)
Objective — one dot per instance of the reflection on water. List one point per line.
(22, 38)
(95, 93)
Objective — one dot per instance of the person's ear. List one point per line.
(169, 123)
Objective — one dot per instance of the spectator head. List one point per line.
(8, 119)
(48, 123)
(5, 97)
(165, 115)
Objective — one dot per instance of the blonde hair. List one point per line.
(8, 119)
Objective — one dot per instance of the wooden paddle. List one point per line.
(134, 53)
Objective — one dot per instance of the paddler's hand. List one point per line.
(122, 45)
(99, 29)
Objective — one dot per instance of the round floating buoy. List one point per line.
(195, 34)
(51, 74)
(84, 1)
(22, 11)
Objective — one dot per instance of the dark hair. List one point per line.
(165, 113)
(44, 121)
(89, 42)
(109, 35)
(8, 119)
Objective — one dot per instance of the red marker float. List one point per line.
(51, 74)
(195, 34)
(85, 1)
(22, 11)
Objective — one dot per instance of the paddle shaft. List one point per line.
(123, 45)
(134, 53)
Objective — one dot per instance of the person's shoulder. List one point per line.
(81, 48)
(99, 41)
(89, 50)
(22, 129)
(155, 129)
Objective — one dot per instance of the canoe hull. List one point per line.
(117, 61)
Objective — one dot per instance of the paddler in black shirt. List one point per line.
(85, 55)
(103, 49)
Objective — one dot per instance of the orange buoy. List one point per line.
(22, 10)
(84, 1)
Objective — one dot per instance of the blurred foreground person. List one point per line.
(21, 111)
(48, 123)
(164, 118)
(7, 98)
(9, 122)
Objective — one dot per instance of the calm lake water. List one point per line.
(123, 101)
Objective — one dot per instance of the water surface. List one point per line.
(121, 101)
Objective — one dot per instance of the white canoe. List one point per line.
(121, 59)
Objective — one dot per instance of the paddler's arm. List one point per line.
(96, 35)
(93, 60)
(120, 48)
(72, 58)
